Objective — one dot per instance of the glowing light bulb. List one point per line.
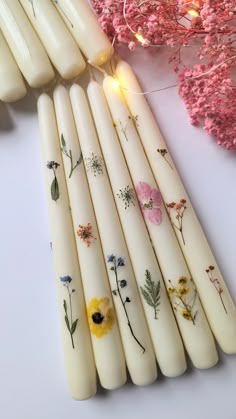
(193, 13)
(140, 38)
(115, 83)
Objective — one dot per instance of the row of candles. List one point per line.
(137, 282)
(38, 37)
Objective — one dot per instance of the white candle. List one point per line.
(164, 332)
(78, 352)
(56, 38)
(137, 344)
(216, 300)
(83, 25)
(108, 350)
(195, 331)
(12, 86)
(25, 45)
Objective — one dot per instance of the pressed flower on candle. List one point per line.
(70, 323)
(150, 201)
(55, 193)
(151, 292)
(163, 152)
(216, 283)
(178, 209)
(116, 263)
(123, 128)
(68, 153)
(101, 316)
(183, 298)
(94, 164)
(127, 195)
(85, 233)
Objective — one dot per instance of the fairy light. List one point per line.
(115, 83)
(140, 38)
(193, 13)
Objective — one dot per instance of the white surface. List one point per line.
(32, 375)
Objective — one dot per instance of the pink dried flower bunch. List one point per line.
(209, 89)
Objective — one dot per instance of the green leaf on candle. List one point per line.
(151, 292)
(55, 189)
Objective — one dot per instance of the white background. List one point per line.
(32, 376)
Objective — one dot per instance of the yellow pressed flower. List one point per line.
(186, 314)
(101, 316)
(183, 291)
(171, 291)
(182, 280)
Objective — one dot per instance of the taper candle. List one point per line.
(24, 44)
(83, 25)
(108, 350)
(12, 86)
(137, 344)
(55, 36)
(215, 297)
(163, 329)
(192, 322)
(79, 360)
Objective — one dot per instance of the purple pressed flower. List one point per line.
(110, 258)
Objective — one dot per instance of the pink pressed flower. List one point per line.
(150, 202)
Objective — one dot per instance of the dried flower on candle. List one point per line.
(116, 263)
(216, 283)
(85, 233)
(151, 292)
(68, 153)
(70, 323)
(94, 164)
(163, 152)
(150, 202)
(176, 211)
(101, 316)
(183, 298)
(123, 128)
(127, 195)
(55, 193)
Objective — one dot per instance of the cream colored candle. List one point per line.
(12, 86)
(56, 38)
(108, 350)
(216, 300)
(25, 45)
(78, 352)
(83, 25)
(194, 328)
(137, 344)
(165, 335)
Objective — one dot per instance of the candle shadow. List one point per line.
(26, 105)
(6, 121)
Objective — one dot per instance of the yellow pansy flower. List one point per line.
(101, 316)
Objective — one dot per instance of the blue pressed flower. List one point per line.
(123, 283)
(110, 258)
(120, 262)
(66, 279)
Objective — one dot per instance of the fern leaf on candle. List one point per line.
(151, 292)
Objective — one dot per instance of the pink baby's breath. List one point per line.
(209, 89)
